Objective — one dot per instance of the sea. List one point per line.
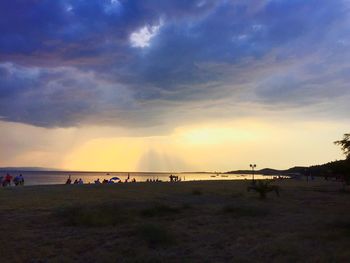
(60, 177)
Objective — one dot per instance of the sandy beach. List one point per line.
(208, 221)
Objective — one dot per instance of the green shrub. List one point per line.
(263, 187)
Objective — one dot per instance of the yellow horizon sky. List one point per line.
(206, 146)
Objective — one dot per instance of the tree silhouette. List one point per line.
(345, 145)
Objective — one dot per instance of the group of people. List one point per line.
(6, 181)
(153, 180)
(76, 181)
(113, 180)
(110, 181)
(174, 178)
(105, 181)
(97, 181)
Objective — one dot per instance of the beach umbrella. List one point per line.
(114, 178)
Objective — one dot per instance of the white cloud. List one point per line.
(143, 36)
(69, 8)
(112, 7)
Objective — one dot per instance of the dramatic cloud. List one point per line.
(146, 63)
(60, 96)
(142, 37)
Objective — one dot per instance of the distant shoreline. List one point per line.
(265, 171)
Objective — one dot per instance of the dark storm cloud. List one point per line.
(67, 63)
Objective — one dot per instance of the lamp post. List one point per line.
(253, 166)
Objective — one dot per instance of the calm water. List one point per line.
(44, 178)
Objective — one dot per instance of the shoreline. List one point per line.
(145, 182)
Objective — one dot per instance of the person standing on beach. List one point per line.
(7, 180)
(69, 181)
(16, 180)
(128, 178)
(21, 179)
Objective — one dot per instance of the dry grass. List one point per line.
(245, 211)
(94, 215)
(155, 235)
(166, 222)
(160, 210)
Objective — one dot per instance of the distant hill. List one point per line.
(28, 169)
(270, 171)
(341, 167)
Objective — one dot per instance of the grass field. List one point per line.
(211, 221)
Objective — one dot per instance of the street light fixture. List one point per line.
(253, 166)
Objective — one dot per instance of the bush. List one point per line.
(263, 187)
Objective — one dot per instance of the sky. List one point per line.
(202, 85)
